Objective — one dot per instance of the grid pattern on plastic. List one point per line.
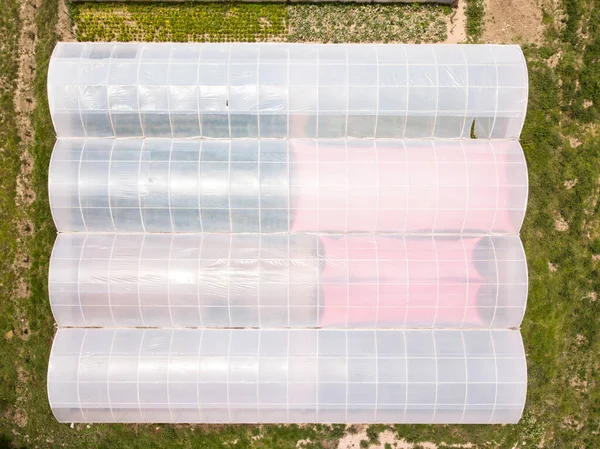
(244, 376)
(300, 185)
(244, 280)
(287, 90)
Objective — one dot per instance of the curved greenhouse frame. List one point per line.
(252, 185)
(290, 376)
(287, 90)
(244, 280)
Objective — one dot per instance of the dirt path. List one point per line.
(63, 26)
(24, 105)
(24, 100)
(456, 26)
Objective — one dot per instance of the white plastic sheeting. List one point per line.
(305, 212)
(252, 185)
(241, 376)
(245, 280)
(287, 90)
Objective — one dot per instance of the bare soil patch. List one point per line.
(574, 141)
(24, 101)
(513, 21)
(570, 183)
(20, 418)
(560, 224)
(389, 438)
(63, 25)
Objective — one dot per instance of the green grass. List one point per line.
(254, 22)
(9, 214)
(475, 13)
(562, 143)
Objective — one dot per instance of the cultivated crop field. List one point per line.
(244, 22)
(561, 234)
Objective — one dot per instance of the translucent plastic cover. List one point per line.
(299, 185)
(288, 280)
(287, 233)
(301, 376)
(287, 90)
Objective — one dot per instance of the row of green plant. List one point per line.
(475, 15)
(251, 22)
(178, 23)
(357, 23)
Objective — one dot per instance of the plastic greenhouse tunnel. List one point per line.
(287, 233)
(287, 90)
(264, 186)
(246, 280)
(296, 376)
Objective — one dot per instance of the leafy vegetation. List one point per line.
(475, 12)
(386, 23)
(253, 22)
(562, 145)
(199, 22)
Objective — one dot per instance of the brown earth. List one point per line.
(513, 21)
(456, 25)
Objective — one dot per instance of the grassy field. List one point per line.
(9, 169)
(561, 235)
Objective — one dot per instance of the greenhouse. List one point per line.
(287, 233)
(271, 185)
(289, 376)
(253, 280)
(287, 90)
